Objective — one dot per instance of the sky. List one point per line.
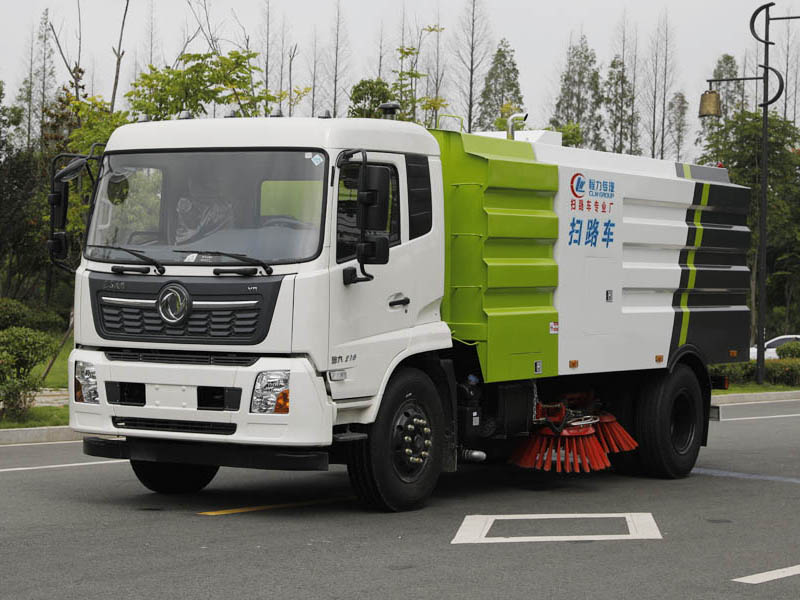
(538, 30)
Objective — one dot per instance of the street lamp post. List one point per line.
(710, 106)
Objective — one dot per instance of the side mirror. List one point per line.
(72, 170)
(59, 200)
(57, 245)
(373, 196)
(373, 252)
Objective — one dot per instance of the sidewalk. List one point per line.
(52, 397)
(723, 399)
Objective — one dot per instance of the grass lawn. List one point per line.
(40, 416)
(754, 388)
(57, 377)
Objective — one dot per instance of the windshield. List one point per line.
(173, 206)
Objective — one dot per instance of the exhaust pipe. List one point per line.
(510, 123)
(476, 456)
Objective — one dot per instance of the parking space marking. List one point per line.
(736, 475)
(769, 575)
(247, 509)
(64, 466)
(473, 530)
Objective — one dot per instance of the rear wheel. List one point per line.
(173, 478)
(669, 424)
(398, 466)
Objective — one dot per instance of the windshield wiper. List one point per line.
(243, 258)
(140, 255)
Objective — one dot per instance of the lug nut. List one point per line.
(426, 431)
(409, 452)
(423, 454)
(428, 443)
(407, 439)
(409, 427)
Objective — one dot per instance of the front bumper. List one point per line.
(203, 453)
(171, 403)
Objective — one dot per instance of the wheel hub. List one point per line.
(413, 441)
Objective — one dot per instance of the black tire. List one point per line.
(669, 424)
(381, 470)
(173, 478)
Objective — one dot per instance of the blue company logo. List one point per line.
(578, 185)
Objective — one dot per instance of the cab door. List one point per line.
(370, 320)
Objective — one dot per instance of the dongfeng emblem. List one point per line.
(173, 304)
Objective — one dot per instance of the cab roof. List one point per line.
(378, 135)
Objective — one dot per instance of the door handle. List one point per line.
(399, 302)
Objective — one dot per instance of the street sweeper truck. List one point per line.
(293, 293)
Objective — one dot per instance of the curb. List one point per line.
(723, 399)
(32, 435)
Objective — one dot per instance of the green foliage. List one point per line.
(27, 348)
(97, 123)
(571, 134)
(200, 81)
(580, 96)
(736, 143)
(404, 88)
(619, 101)
(366, 96)
(14, 313)
(785, 371)
(789, 350)
(17, 395)
(501, 96)
(39, 416)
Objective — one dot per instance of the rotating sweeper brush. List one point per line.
(572, 444)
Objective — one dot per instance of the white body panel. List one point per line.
(640, 267)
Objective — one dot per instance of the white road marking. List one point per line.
(64, 466)
(770, 575)
(756, 418)
(39, 443)
(473, 530)
(735, 475)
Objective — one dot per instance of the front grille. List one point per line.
(184, 358)
(175, 426)
(145, 320)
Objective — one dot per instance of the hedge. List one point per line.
(789, 350)
(784, 371)
(14, 313)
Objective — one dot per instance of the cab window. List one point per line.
(347, 232)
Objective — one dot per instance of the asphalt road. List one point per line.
(91, 531)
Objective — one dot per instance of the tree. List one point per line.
(731, 96)
(25, 98)
(204, 80)
(678, 125)
(471, 53)
(118, 53)
(45, 74)
(314, 71)
(338, 57)
(366, 96)
(434, 100)
(617, 98)
(501, 88)
(580, 96)
(659, 72)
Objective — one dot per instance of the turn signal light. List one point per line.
(282, 403)
(659, 358)
(573, 364)
(733, 353)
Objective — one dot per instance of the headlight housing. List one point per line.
(271, 393)
(86, 383)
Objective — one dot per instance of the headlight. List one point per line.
(86, 383)
(271, 393)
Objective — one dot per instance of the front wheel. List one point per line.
(398, 466)
(669, 424)
(173, 478)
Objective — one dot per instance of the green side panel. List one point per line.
(500, 275)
